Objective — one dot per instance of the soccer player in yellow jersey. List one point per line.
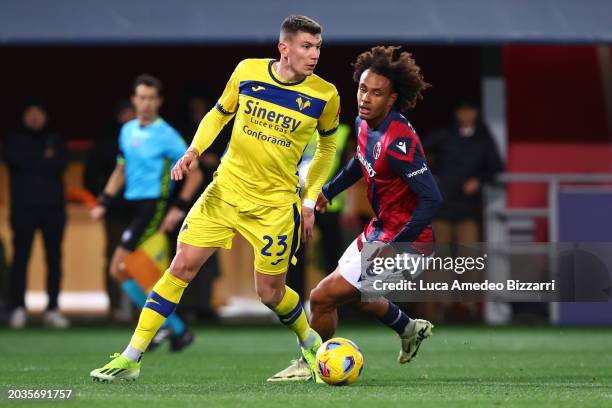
(277, 106)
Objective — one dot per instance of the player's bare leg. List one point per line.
(188, 261)
(325, 298)
(376, 308)
(270, 288)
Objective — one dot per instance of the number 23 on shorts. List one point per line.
(281, 242)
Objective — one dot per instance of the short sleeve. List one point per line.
(121, 153)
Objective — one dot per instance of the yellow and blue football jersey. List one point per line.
(274, 121)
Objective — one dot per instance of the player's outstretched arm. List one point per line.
(346, 177)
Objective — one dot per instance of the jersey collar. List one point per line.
(277, 79)
(154, 123)
(382, 128)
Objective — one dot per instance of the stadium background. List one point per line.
(541, 71)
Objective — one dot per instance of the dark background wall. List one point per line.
(556, 93)
(82, 84)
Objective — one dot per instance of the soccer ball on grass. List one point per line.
(339, 361)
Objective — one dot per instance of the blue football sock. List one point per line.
(395, 319)
(134, 292)
(175, 322)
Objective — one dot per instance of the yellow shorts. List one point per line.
(273, 232)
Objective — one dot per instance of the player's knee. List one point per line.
(269, 295)
(320, 299)
(182, 268)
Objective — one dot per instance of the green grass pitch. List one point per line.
(227, 367)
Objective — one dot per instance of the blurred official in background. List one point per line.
(36, 158)
(148, 146)
(99, 166)
(464, 157)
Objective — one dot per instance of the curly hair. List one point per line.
(402, 71)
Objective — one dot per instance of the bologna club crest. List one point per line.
(377, 148)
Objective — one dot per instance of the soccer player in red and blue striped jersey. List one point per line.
(401, 190)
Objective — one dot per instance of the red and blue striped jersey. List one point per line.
(401, 189)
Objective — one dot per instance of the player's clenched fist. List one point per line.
(185, 164)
